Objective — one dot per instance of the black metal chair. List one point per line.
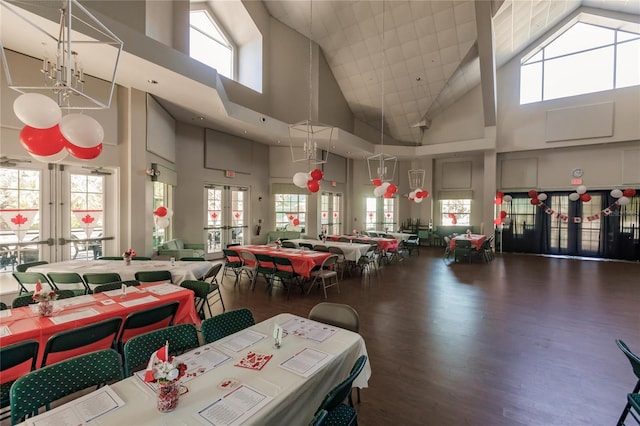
(12, 356)
(69, 279)
(154, 276)
(233, 263)
(162, 315)
(202, 291)
(285, 273)
(463, 251)
(98, 278)
(635, 366)
(28, 280)
(24, 266)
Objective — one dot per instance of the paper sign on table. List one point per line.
(141, 301)
(166, 288)
(73, 316)
(242, 340)
(234, 408)
(254, 361)
(5, 313)
(306, 362)
(309, 329)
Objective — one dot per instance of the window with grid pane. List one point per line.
(289, 207)
(460, 208)
(208, 44)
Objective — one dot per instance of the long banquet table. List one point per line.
(283, 397)
(352, 251)
(180, 270)
(383, 243)
(303, 261)
(476, 240)
(19, 324)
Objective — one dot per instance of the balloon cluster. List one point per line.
(161, 217)
(310, 180)
(294, 224)
(580, 194)
(503, 215)
(454, 219)
(538, 197)
(417, 195)
(386, 189)
(49, 137)
(623, 197)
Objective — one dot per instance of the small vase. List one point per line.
(127, 261)
(45, 308)
(168, 395)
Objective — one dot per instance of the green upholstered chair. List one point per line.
(634, 403)
(138, 349)
(69, 280)
(83, 336)
(3, 306)
(635, 366)
(338, 412)
(24, 300)
(41, 387)
(225, 324)
(202, 291)
(153, 276)
(232, 263)
(12, 356)
(27, 281)
(285, 273)
(65, 294)
(24, 266)
(161, 315)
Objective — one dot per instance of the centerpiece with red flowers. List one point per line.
(127, 255)
(44, 299)
(166, 372)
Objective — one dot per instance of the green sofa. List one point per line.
(274, 235)
(178, 248)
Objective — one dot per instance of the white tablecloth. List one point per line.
(181, 271)
(352, 251)
(295, 399)
(399, 236)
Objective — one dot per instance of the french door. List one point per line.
(331, 213)
(575, 237)
(226, 217)
(380, 214)
(52, 212)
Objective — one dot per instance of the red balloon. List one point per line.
(503, 214)
(497, 221)
(629, 192)
(498, 201)
(499, 194)
(535, 201)
(533, 194)
(377, 182)
(585, 198)
(392, 188)
(313, 185)
(296, 222)
(424, 194)
(43, 142)
(316, 174)
(454, 220)
(84, 153)
(451, 215)
(388, 194)
(162, 212)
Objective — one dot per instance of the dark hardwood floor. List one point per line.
(524, 340)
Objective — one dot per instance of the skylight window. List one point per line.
(584, 59)
(208, 44)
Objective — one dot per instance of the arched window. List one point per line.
(208, 44)
(586, 58)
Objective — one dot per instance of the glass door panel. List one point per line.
(226, 217)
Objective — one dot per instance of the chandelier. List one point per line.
(62, 47)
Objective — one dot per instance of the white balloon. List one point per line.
(289, 227)
(55, 158)
(574, 196)
(506, 220)
(616, 193)
(169, 213)
(623, 201)
(37, 110)
(385, 185)
(81, 130)
(581, 189)
(412, 194)
(418, 200)
(507, 198)
(379, 191)
(300, 179)
(162, 222)
(542, 196)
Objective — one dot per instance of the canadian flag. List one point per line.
(161, 355)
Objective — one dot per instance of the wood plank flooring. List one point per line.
(524, 340)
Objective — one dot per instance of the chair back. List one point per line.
(319, 418)
(48, 384)
(107, 287)
(336, 314)
(138, 349)
(212, 273)
(65, 294)
(339, 393)
(320, 247)
(153, 276)
(232, 257)
(162, 316)
(265, 263)
(192, 259)
(225, 324)
(13, 356)
(3, 306)
(24, 266)
(110, 258)
(69, 280)
(307, 245)
(200, 289)
(101, 278)
(24, 300)
(465, 244)
(633, 358)
(27, 281)
(284, 267)
(288, 244)
(249, 259)
(83, 336)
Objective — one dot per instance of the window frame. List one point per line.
(230, 45)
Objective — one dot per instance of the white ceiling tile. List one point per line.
(407, 32)
(466, 32)
(353, 34)
(447, 38)
(359, 50)
(401, 13)
(464, 12)
(450, 54)
(444, 19)
(424, 26)
(428, 43)
(394, 54)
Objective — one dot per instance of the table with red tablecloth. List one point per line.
(25, 323)
(476, 240)
(385, 244)
(303, 261)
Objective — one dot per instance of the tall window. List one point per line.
(87, 213)
(162, 197)
(380, 214)
(330, 217)
(291, 209)
(458, 211)
(208, 44)
(584, 59)
(371, 215)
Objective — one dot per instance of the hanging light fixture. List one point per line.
(382, 167)
(62, 48)
(310, 140)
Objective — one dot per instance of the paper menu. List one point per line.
(308, 329)
(80, 411)
(306, 362)
(234, 408)
(242, 340)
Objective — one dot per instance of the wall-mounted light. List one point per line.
(153, 172)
